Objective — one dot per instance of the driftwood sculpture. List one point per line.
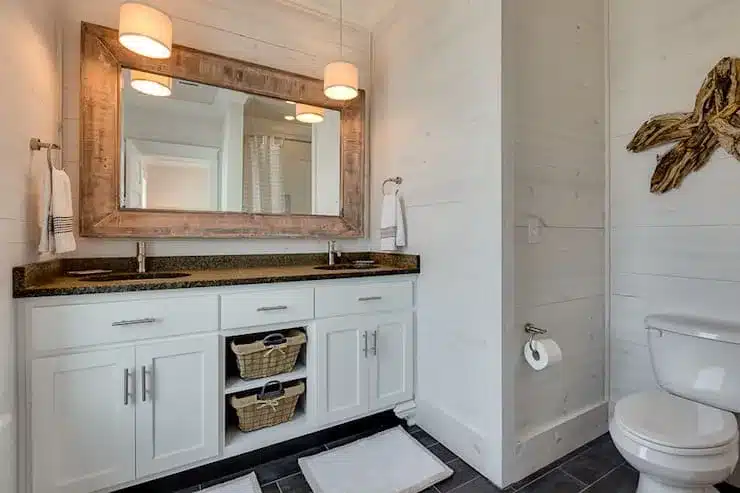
(714, 123)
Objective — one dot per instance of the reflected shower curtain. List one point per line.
(263, 178)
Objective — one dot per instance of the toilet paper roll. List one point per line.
(549, 354)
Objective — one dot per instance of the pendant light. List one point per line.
(341, 79)
(151, 84)
(306, 113)
(145, 30)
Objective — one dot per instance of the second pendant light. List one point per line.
(341, 78)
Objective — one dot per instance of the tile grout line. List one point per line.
(551, 470)
(453, 490)
(602, 477)
(572, 477)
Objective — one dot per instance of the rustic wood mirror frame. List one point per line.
(103, 58)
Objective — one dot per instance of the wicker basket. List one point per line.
(274, 405)
(275, 354)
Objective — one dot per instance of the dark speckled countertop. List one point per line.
(50, 278)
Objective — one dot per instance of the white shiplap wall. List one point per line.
(678, 252)
(269, 32)
(436, 122)
(554, 139)
(29, 106)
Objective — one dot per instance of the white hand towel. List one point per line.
(43, 214)
(392, 224)
(62, 212)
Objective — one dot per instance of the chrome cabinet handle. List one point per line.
(364, 340)
(126, 393)
(144, 389)
(370, 298)
(140, 321)
(374, 349)
(272, 308)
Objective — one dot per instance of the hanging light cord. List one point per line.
(341, 29)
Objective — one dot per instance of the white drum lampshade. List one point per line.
(151, 84)
(309, 114)
(341, 81)
(145, 30)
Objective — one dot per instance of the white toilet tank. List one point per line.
(696, 358)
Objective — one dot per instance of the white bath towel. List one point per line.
(392, 224)
(56, 215)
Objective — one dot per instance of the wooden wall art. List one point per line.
(714, 123)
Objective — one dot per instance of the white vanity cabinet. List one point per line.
(123, 388)
(365, 363)
(108, 417)
(82, 423)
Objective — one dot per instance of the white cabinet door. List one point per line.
(83, 421)
(342, 354)
(392, 359)
(177, 403)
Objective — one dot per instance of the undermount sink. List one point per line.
(346, 267)
(134, 276)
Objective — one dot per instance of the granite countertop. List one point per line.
(50, 278)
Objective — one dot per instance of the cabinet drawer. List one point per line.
(348, 300)
(264, 308)
(66, 326)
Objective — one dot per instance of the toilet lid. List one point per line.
(667, 420)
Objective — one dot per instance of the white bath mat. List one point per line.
(246, 484)
(389, 462)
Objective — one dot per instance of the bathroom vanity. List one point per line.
(124, 387)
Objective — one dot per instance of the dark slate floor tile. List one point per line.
(294, 484)
(463, 473)
(538, 474)
(271, 488)
(424, 438)
(726, 488)
(443, 453)
(595, 462)
(224, 479)
(554, 482)
(478, 485)
(622, 480)
(281, 468)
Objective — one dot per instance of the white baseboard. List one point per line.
(539, 447)
(464, 441)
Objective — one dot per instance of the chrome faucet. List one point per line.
(141, 257)
(333, 253)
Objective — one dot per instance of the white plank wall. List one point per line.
(29, 106)
(269, 32)
(678, 252)
(554, 139)
(436, 121)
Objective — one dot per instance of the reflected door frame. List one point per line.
(140, 152)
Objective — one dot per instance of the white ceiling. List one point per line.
(364, 13)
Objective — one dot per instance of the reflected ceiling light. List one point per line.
(309, 114)
(291, 102)
(151, 84)
(341, 79)
(290, 118)
(145, 30)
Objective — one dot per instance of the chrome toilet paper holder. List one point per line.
(533, 332)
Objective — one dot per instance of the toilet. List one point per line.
(684, 438)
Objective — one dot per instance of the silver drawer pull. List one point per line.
(272, 308)
(140, 321)
(370, 298)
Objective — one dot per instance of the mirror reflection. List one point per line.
(187, 146)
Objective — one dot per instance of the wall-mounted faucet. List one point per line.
(333, 253)
(141, 257)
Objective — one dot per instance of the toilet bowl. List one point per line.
(677, 445)
(684, 438)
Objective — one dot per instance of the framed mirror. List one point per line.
(201, 145)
